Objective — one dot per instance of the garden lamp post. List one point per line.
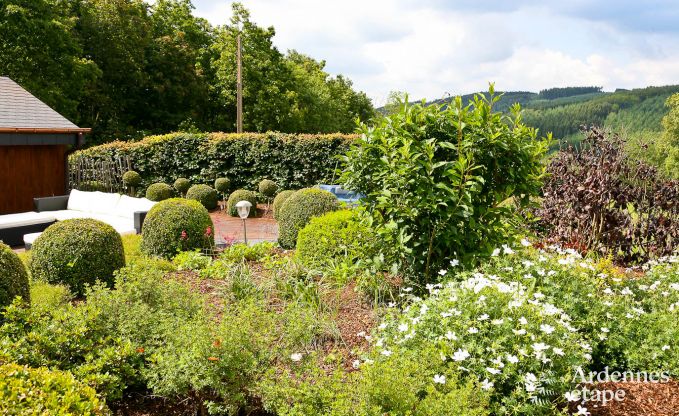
(243, 208)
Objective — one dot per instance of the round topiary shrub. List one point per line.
(278, 201)
(92, 186)
(28, 391)
(182, 185)
(204, 194)
(334, 235)
(77, 252)
(241, 195)
(131, 179)
(177, 225)
(13, 277)
(158, 192)
(268, 188)
(299, 209)
(223, 185)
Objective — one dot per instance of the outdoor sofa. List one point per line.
(124, 213)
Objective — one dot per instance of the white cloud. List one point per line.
(431, 48)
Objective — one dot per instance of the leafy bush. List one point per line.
(204, 194)
(517, 345)
(77, 253)
(25, 391)
(192, 260)
(298, 210)
(13, 277)
(279, 200)
(176, 225)
(339, 234)
(437, 179)
(241, 195)
(159, 192)
(182, 185)
(268, 188)
(222, 185)
(294, 160)
(596, 199)
(244, 252)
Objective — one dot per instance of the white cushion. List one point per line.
(80, 200)
(25, 218)
(127, 206)
(121, 225)
(103, 203)
(69, 214)
(30, 238)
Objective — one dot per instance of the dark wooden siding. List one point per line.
(30, 171)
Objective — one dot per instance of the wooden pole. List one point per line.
(239, 86)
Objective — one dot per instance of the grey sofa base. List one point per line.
(14, 236)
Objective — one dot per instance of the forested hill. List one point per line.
(563, 110)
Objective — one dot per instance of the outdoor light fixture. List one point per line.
(243, 208)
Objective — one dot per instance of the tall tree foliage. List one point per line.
(129, 67)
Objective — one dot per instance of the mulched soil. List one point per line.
(641, 399)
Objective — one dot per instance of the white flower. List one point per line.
(523, 321)
(460, 355)
(540, 346)
(484, 317)
(604, 329)
(497, 321)
(442, 272)
(356, 364)
(506, 249)
(512, 359)
(496, 252)
(451, 336)
(454, 262)
(558, 351)
(530, 387)
(382, 326)
(439, 379)
(446, 314)
(486, 385)
(473, 330)
(547, 329)
(572, 396)
(665, 347)
(583, 411)
(296, 357)
(403, 327)
(525, 243)
(493, 370)
(519, 331)
(386, 353)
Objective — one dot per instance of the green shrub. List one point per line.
(334, 235)
(77, 252)
(176, 225)
(516, 344)
(191, 260)
(32, 391)
(279, 200)
(182, 185)
(223, 185)
(295, 160)
(159, 192)
(268, 188)
(241, 195)
(13, 277)
(299, 209)
(436, 180)
(93, 186)
(244, 252)
(131, 179)
(204, 194)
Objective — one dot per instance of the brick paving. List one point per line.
(228, 228)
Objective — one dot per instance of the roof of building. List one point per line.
(21, 112)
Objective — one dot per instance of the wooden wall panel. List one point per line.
(30, 171)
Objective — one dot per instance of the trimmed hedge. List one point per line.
(223, 185)
(299, 209)
(241, 195)
(13, 277)
(159, 192)
(131, 179)
(39, 391)
(176, 225)
(204, 194)
(334, 235)
(182, 185)
(278, 201)
(77, 252)
(268, 188)
(293, 161)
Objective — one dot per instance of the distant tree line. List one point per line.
(552, 93)
(128, 68)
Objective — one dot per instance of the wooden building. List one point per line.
(34, 144)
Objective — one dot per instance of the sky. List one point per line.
(436, 48)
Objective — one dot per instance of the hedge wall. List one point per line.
(291, 160)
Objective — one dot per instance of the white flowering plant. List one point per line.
(517, 346)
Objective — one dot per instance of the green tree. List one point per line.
(39, 50)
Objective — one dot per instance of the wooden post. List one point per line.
(239, 86)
